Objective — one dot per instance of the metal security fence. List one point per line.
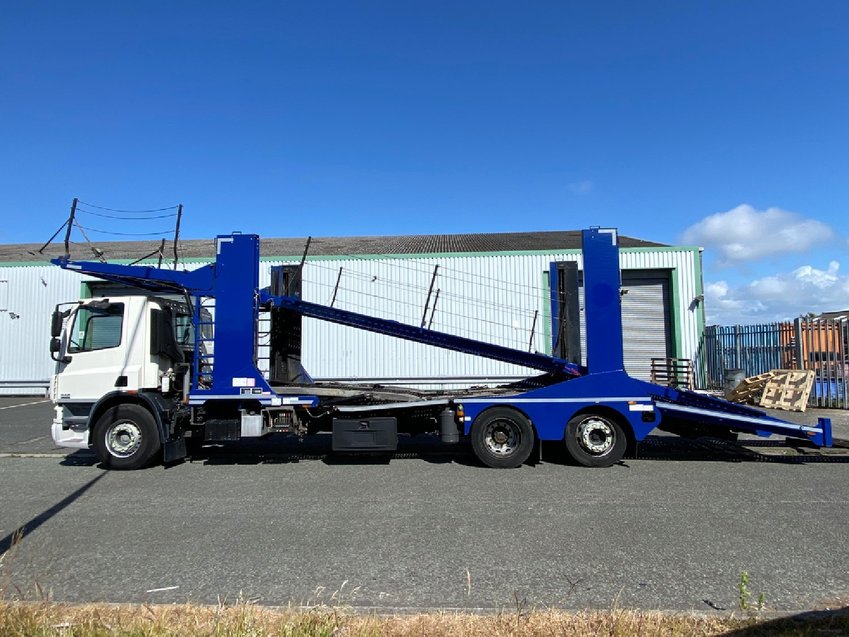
(754, 349)
(821, 345)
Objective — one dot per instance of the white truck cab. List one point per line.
(116, 357)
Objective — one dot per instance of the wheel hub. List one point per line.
(502, 437)
(596, 436)
(123, 439)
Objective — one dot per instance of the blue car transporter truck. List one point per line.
(141, 378)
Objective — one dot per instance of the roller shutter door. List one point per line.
(646, 321)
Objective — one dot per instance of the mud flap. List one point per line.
(174, 450)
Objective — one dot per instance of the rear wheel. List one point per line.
(595, 440)
(126, 437)
(502, 438)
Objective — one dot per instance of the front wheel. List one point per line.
(126, 437)
(502, 438)
(595, 440)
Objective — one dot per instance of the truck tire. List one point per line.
(595, 440)
(126, 437)
(502, 438)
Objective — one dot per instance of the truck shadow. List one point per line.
(818, 622)
(708, 449)
(288, 449)
(285, 449)
(80, 458)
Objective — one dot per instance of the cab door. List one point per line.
(97, 344)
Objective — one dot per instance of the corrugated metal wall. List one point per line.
(31, 292)
(487, 297)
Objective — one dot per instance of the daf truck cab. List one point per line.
(121, 367)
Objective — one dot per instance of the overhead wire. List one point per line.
(123, 217)
(141, 214)
(91, 205)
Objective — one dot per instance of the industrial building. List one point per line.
(490, 287)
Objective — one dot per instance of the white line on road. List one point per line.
(26, 442)
(164, 588)
(23, 454)
(38, 402)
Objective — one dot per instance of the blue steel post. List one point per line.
(236, 311)
(603, 311)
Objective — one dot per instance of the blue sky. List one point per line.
(721, 124)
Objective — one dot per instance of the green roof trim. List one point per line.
(23, 264)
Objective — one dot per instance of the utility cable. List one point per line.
(91, 205)
(123, 217)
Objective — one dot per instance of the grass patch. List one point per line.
(47, 619)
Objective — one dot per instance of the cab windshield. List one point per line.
(96, 326)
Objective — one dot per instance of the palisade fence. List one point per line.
(818, 344)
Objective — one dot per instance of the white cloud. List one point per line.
(745, 234)
(819, 278)
(778, 297)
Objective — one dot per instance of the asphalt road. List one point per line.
(672, 529)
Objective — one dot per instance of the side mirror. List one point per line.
(56, 324)
(55, 347)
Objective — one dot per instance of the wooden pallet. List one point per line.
(750, 389)
(788, 389)
(674, 372)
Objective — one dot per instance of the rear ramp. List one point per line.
(691, 407)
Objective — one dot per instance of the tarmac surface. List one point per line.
(671, 529)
